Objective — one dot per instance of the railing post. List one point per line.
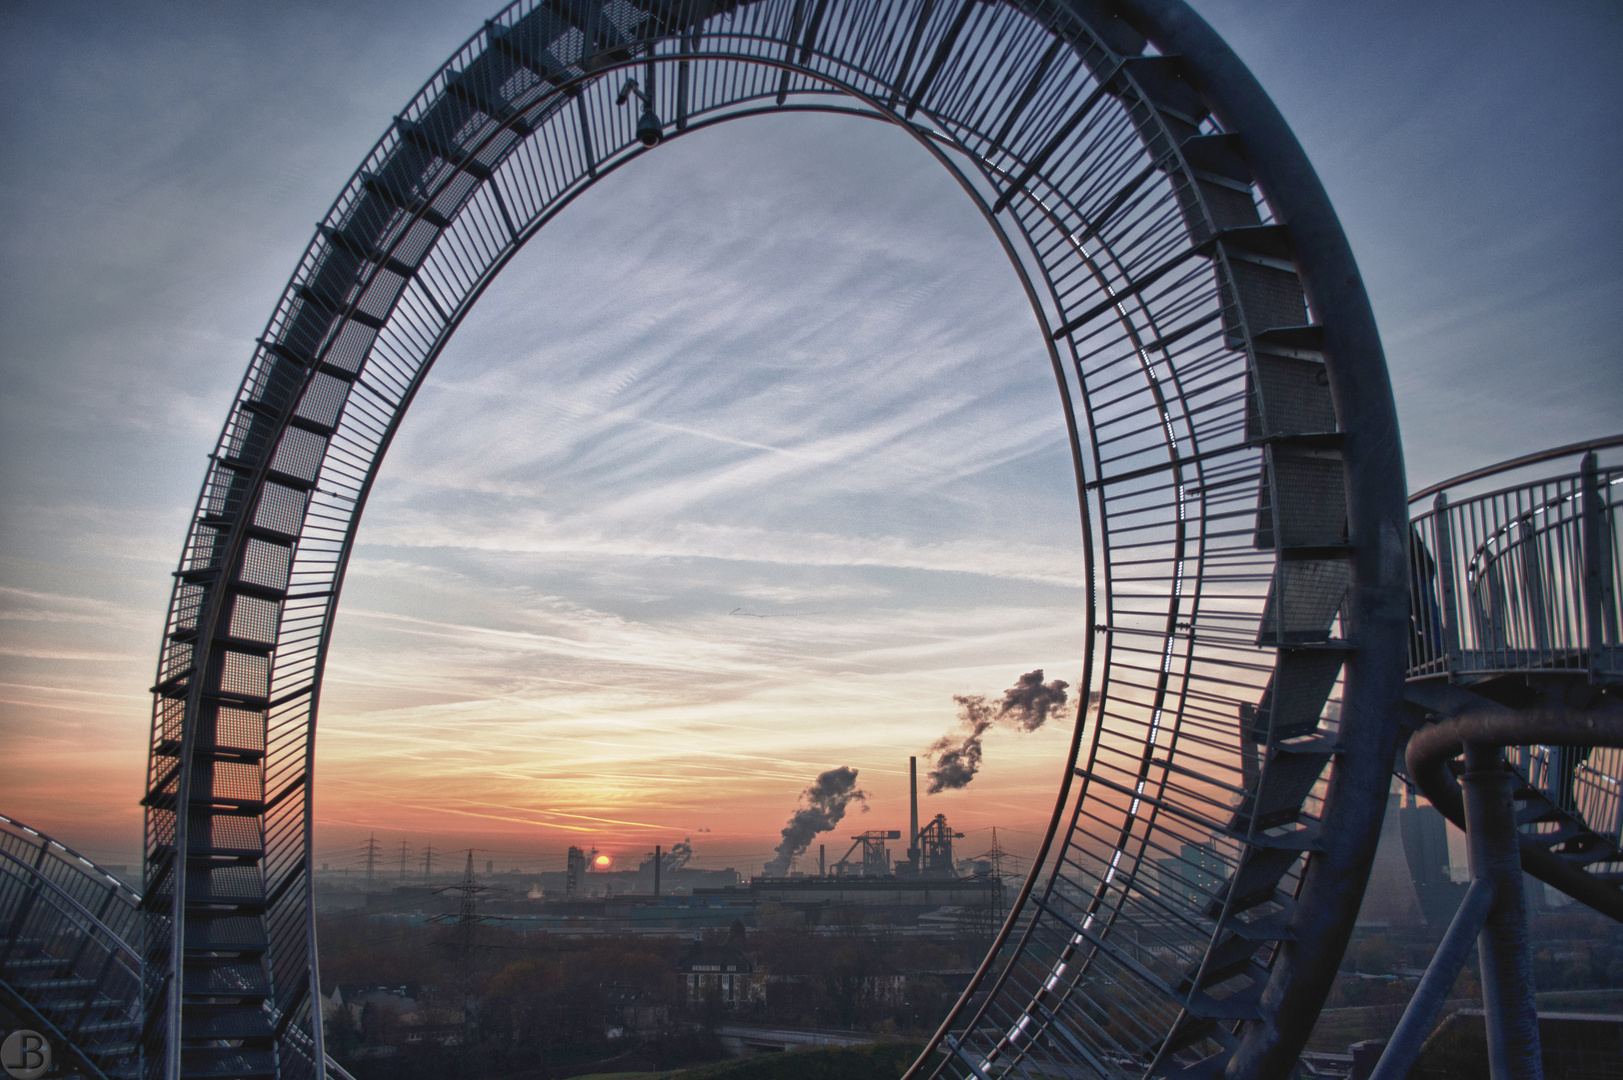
(1595, 557)
(1450, 615)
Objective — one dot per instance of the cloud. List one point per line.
(778, 361)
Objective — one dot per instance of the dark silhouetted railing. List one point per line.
(66, 961)
(69, 939)
(1522, 578)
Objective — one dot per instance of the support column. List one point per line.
(1506, 961)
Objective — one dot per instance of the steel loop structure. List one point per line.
(1238, 469)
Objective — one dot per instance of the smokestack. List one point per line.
(657, 858)
(913, 820)
(822, 856)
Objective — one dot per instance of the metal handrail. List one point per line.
(88, 923)
(70, 858)
(1553, 454)
(1522, 578)
(95, 923)
(83, 951)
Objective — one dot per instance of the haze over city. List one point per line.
(746, 467)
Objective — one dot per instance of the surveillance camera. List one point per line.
(649, 131)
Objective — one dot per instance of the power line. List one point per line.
(371, 858)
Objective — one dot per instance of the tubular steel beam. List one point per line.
(1434, 746)
(1403, 1048)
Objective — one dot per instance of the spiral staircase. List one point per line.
(70, 964)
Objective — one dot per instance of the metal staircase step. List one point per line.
(35, 963)
(233, 1062)
(96, 1027)
(48, 986)
(201, 1023)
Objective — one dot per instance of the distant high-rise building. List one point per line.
(1391, 897)
(1189, 878)
(1425, 850)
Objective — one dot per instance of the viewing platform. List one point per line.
(1520, 579)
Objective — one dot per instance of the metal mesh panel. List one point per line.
(281, 509)
(1297, 393)
(300, 453)
(1306, 602)
(323, 399)
(1311, 496)
(266, 564)
(1269, 296)
(241, 729)
(255, 619)
(245, 675)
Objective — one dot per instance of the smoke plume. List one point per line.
(957, 760)
(825, 804)
(679, 856)
(1030, 701)
(1027, 705)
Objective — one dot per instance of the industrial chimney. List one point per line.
(913, 819)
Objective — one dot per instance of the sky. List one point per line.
(743, 468)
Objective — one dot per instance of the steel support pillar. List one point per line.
(1506, 961)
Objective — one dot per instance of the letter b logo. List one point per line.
(25, 1055)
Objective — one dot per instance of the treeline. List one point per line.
(541, 1005)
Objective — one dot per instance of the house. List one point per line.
(348, 1001)
(391, 1015)
(636, 1013)
(723, 970)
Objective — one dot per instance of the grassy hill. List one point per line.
(876, 1061)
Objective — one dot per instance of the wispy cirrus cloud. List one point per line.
(777, 366)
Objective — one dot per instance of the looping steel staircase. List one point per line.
(70, 964)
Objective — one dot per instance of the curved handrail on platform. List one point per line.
(1521, 578)
(1514, 642)
(62, 918)
(1522, 462)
